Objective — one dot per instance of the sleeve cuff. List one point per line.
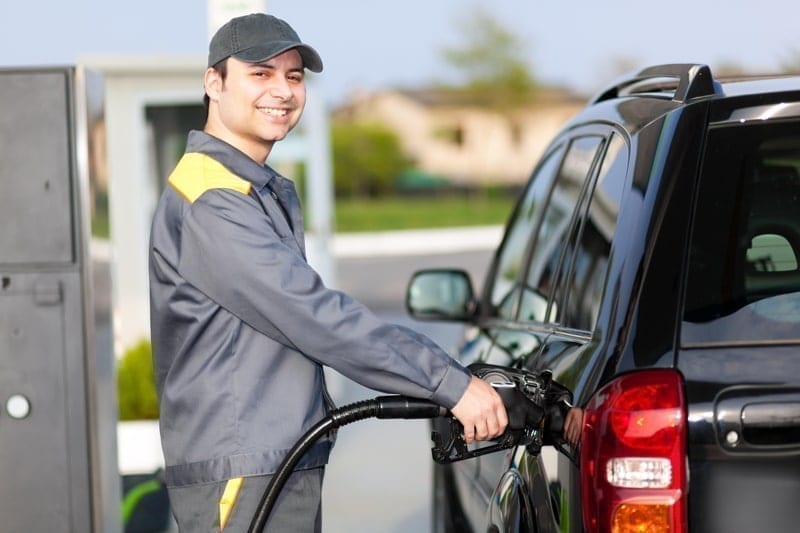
(453, 385)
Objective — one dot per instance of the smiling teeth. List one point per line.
(275, 112)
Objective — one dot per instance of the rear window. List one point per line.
(744, 262)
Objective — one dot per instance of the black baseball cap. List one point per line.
(257, 37)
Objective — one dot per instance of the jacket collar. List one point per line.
(231, 157)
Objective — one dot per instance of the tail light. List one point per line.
(633, 455)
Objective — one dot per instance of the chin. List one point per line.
(274, 139)
(276, 136)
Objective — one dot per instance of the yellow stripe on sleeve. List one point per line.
(228, 500)
(197, 173)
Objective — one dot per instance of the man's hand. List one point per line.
(573, 425)
(481, 411)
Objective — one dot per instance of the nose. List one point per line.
(280, 89)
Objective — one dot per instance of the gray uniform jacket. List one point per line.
(241, 324)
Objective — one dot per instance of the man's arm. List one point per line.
(481, 411)
(264, 280)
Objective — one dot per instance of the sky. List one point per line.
(378, 44)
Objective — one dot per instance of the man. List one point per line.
(242, 325)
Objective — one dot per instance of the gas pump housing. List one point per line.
(57, 388)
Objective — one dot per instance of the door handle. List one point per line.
(759, 418)
(771, 415)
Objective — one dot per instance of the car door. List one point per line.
(495, 340)
(501, 488)
(574, 305)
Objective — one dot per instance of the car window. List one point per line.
(743, 278)
(579, 290)
(548, 247)
(510, 257)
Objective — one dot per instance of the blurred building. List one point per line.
(465, 142)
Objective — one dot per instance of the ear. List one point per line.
(212, 82)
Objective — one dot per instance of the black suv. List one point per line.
(652, 263)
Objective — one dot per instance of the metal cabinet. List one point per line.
(57, 414)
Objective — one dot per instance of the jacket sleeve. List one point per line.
(231, 251)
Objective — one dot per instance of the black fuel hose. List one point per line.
(381, 407)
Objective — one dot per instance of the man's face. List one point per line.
(257, 103)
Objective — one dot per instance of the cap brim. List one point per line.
(311, 59)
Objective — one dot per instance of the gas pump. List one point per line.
(57, 390)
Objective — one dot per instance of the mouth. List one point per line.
(274, 111)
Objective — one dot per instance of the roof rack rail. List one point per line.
(687, 80)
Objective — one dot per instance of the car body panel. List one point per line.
(744, 468)
(683, 265)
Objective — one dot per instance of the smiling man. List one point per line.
(242, 325)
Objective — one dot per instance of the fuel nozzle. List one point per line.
(521, 411)
(526, 396)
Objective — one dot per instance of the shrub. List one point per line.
(136, 387)
(366, 159)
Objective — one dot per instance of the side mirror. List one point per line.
(440, 294)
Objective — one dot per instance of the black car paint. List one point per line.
(639, 326)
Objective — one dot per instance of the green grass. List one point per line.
(395, 213)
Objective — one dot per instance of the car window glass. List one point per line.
(548, 246)
(743, 280)
(579, 291)
(510, 257)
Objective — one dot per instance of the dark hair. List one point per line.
(222, 68)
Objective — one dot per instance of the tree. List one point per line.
(492, 62)
(367, 158)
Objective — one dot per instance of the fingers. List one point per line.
(481, 411)
(571, 435)
(485, 429)
(573, 425)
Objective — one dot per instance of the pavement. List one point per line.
(415, 242)
(375, 267)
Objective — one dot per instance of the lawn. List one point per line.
(395, 213)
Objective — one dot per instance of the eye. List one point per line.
(260, 71)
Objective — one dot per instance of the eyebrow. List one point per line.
(268, 64)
